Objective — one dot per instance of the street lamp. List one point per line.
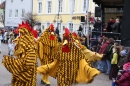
(58, 17)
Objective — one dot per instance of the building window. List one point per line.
(84, 5)
(10, 13)
(109, 10)
(48, 24)
(119, 9)
(39, 7)
(71, 27)
(71, 7)
(49, 6)
(11, 1)
(60, 6)
(23, 12)
(59, 27)
(16, 13)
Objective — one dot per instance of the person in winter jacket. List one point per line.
(123, 59)
(108, 53)
(114, 61)
(111, 22)
(125, 77)
(102, 64)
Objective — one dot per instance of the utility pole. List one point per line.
(87, 9)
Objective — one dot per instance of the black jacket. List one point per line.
(108, 52)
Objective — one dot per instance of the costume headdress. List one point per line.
(66, 37)
(51, 28)
(76, 39)
(35, 34)
(25, 25)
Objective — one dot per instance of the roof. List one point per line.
(2, 5)
(110, 3)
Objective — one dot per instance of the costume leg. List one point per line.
(92, 72)
(45, 78)
(44, 70)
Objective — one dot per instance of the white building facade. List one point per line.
(15, 10)
(1, 1)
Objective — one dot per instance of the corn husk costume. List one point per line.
(23, 67)
(70, 66)
(47, 46)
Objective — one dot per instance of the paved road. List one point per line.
(5, 76)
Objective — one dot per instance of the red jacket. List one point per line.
(125, 79)
(103, 48)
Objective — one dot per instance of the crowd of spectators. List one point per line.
(115, 57)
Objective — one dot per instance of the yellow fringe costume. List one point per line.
(23, 67)
(69, 66)
(47, 46)
(89, 55)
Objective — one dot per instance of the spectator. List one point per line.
(114, 61)
(59, 38)
(111, 22)
(57, 31)
(5, 36)
(128, 57)
(0, 39)
(108, 53)
(80, 30)
(123, 59)
(102, 63)
(100, 40)
(11, 45)
(116, 26)
(97, 27)
(124, 80)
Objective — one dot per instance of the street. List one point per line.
(5, 76)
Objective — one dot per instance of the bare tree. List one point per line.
(31, 18)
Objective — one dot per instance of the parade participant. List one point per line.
(47, 46)
(89, 55)
(23, 67)
(69, 66)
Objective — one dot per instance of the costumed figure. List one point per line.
(69, 66)
(47, 46)
(89, 55)
(23, 67)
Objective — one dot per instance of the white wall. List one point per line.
(17, 4)
(1, 1)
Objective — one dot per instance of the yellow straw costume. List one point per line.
(47, 46)
(89, 55)
(69, 66)
(23, 67)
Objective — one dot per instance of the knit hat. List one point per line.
(123, 53)
(126, 66)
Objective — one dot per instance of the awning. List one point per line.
(110, 3)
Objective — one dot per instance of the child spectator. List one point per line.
(123, 59)
(11, 48)
(114, 61)
(124, 80)
(0, 39)
(11, 45)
